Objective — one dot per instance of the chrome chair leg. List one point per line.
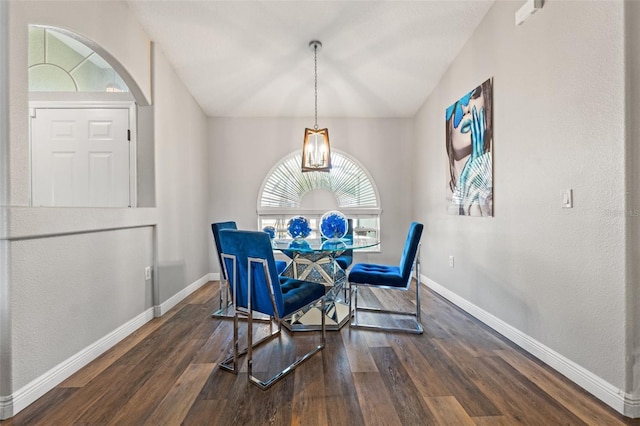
(416, 329)
(230, 364)
(266, 384)
(223, 310)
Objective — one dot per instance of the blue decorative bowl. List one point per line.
(333, 225)
(298, 227)
(270, 230)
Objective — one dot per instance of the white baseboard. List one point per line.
(164, 307)
(13, 404)
(624, 403)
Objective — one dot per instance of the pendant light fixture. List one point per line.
(316, 153)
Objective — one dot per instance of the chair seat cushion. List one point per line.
(344, 261)
(383, 275)
(297, 294)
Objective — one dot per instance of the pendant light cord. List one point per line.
(315, 67)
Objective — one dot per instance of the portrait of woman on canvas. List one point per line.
(469, 136)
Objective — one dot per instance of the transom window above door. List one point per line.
(61, 63)
(348, 187)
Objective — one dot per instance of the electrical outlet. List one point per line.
(147, 273)
(451, 261)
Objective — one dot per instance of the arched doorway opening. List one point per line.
(83, 120)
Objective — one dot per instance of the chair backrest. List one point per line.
(252, 244)
(410, 249)
(215, 229)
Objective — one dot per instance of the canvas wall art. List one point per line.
(469, 137)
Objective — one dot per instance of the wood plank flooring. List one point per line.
(459, 372)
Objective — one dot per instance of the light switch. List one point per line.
(567, 199)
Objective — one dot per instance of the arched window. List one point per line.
(61, 63)
(348, 187)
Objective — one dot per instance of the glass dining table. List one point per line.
(315, 259)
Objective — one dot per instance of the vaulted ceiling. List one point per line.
(252, 59)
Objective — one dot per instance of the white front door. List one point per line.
(80, 157)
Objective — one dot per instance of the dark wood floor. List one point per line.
(457, 372)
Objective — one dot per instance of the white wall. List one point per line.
(556, 275)
(243, 151)
(5, 324)
(71, 279)
(69, 299)
(182, 179)
(632, 215)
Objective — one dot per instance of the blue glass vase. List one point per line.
(298, 227)
(270, 230)
(333, 225)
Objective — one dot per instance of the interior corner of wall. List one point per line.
(6, 407)
(152, 71)
(632, 405)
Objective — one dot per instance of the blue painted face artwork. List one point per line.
(468, 139)
(457, 106)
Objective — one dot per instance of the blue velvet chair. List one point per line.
(389, 277)
(224, 287)
(256, 287)
(224, 283)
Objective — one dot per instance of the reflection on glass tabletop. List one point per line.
(311, 245)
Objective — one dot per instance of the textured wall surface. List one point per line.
(94, 21)
(70, 298)
(632, 209)
(243, 151)
(77, 275)
(55, 311)
(182, 179)
(5, 323)
(557, 275)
